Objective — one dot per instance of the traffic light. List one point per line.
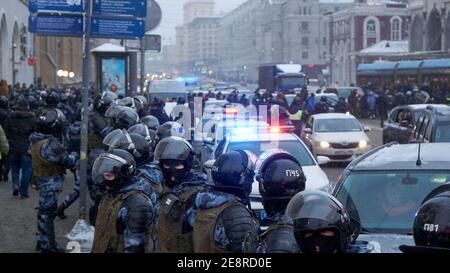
(153, 43)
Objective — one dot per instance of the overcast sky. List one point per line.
(173, 15)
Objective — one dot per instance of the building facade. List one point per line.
(58, 53)
(359, 27)
(430, 26)
(197, 8)
(202, 44)
(16, 44)
(282, 31)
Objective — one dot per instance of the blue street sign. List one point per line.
(56, 5)
(56, 25)
(136, 8)
(117, 28)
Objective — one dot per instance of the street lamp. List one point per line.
(71, 75)
(60, 73)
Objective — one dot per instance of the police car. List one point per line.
(257, 137)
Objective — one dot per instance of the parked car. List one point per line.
(401, 121)
(384, 188)
(433, 125)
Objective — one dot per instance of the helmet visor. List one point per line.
(106, 167)
(312, 205)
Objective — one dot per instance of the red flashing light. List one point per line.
(311, 66)
(275, 130)
(231, 110)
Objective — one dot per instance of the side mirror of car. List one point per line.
(323, 160)
(367, 129)
(307, 131)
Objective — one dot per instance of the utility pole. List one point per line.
(85, 110)
(142, 65)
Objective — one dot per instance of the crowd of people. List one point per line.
(146, 193)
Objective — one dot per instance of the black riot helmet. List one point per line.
(4, 102)
(52, 99)
(125, 118)
(141, 129)
(132, 103)
(233, 172)
(142, 100)
(169, 129)
(432, 222)
(51, 122)
(175, 156)
(104, 102)
(316, 212)
(280, 177)
(151, 122)
(21, 103)
(133, 143)
(113, 170)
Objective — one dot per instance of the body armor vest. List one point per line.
(106, 239)
(171, 238)
(204, 227)
(279, 238)
(41, 167)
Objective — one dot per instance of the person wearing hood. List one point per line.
(127, 213)
(50, 160)
(19, 127)
(220, 216)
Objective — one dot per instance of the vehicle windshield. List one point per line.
(344, 92)
(386, 202)
(332, 100)
(337, 125)
(167, 87)
(293, 146)
(292, 81)
(443, 133)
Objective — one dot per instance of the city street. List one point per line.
(19, 216)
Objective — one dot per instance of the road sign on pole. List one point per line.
(118, 28)
(56, 25)
(154, 16)
(136, 8)
(35, 6)
(153, 43)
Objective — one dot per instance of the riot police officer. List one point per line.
(151, 122)
(322, 106)
(168, 129)
(140, 148)
(49, 160)
(280, 177)
(222, 218)
(322, 224)
(432, 223)
(175, 157)
(148, 134)
(126, 215)
(98, 129)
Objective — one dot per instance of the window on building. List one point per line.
(305, 55)
(395, 30)
(305, 10)
(300, 10)
(324, 40)
(309, 10)
(371, 27)
(305, 26)
(305, 42)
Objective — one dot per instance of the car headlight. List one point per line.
(363, 144)
(324, 144)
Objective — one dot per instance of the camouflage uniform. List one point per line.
(279, 237)
(221, 223)
(50, 160)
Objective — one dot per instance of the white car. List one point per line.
(339, 137)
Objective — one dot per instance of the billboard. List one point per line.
(113, 77)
